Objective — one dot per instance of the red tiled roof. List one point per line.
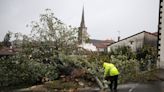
(101, 43)
(6, 51)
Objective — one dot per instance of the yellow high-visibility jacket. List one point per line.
(110, 69)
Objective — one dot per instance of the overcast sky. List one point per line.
(103, 18)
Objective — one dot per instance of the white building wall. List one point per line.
(150, 40)
(161, 38)
(134, 42)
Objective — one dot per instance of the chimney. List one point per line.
(118, 35)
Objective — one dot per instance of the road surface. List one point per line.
(157, 86)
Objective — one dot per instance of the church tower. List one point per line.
(82, 33)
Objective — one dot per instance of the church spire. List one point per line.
(82, 33)
(82, 19)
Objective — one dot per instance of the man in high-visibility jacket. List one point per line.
(111, 73)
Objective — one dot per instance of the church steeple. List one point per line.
(82, 19)
(82, 33)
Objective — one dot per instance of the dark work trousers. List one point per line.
(113, 82)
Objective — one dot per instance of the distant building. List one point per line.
(91, 44)
(160, 63)
(6, 51)
(101, 45)
(136, 41)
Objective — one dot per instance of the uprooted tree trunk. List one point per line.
(98, 81)
(100, 84)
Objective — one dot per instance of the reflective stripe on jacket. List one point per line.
(110, 70)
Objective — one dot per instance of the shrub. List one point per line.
(18, 70)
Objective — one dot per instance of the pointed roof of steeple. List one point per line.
(82, 19)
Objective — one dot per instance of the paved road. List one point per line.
(157, 86)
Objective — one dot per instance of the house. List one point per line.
(136, 41)
(6, 51)
(101, 45)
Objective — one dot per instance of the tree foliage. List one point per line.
(126, 61)
(39, 53)
(52, 32)
(51, 50)
(147, 57)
